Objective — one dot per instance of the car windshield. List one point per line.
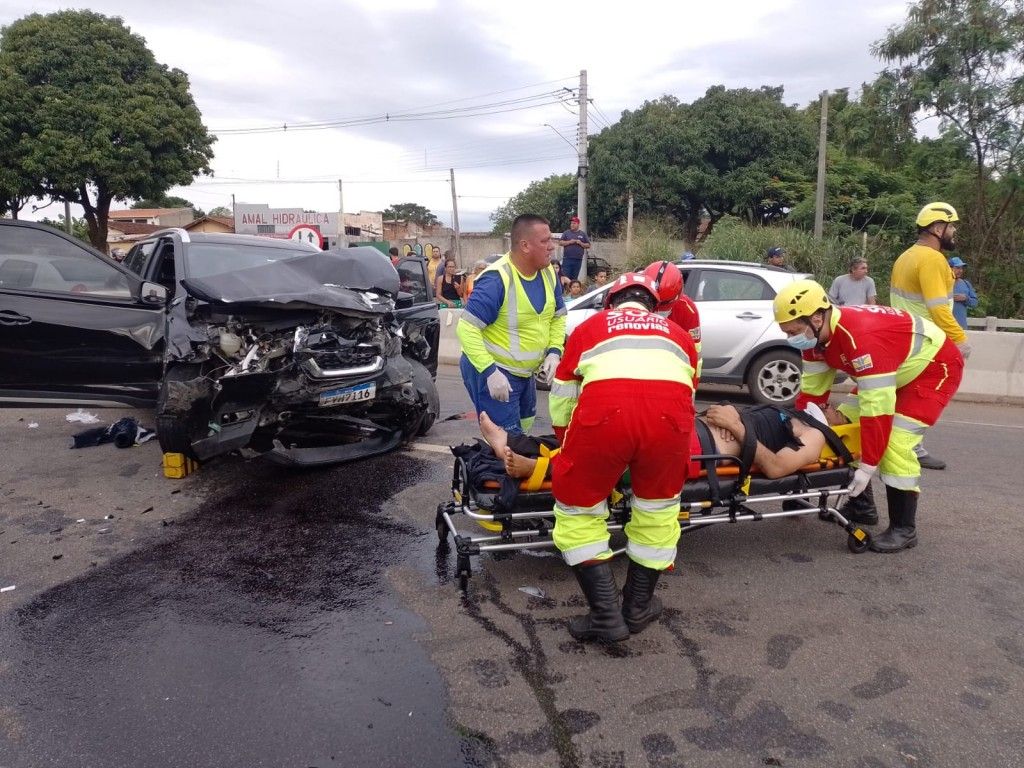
(206, 259)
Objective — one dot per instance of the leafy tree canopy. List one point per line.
(100, 118)
(715, 156)
(220, 210)
(411, 212)
(554, 198)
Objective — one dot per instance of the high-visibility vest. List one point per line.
(520, 336)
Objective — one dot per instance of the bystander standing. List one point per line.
(855, 287)
(964, 295)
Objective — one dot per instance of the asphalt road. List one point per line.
(254, 616)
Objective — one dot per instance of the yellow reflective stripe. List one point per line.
(645, 552)
(578, 555)
(599, 509)
(907, 295)
(877, 402)
(656, 506)
(939, 301)
(476, 322)
(901, 482)
(899, 421)
(518, 340)
(522, 357)
(635, 343)
(565, 389)
(817, 383)
(867, 383)
(812, 367)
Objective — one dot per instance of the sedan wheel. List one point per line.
(774, 377)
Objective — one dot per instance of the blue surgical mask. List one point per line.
(802, 341)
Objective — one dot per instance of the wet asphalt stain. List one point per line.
(1012, 648)
(259, 632)
(837, 711)
(661, 751)
(886, 681)
(766, 729)
(530, 661)
(780, 649)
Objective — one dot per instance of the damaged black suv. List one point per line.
(308, 357)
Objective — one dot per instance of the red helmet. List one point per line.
(668, 279)
(631, 280)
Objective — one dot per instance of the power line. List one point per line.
(475, 110)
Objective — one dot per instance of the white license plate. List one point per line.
(343, 395)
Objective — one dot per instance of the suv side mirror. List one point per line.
(153, 294)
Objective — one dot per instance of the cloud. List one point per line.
(261, 63)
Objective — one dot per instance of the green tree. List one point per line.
(220, 210)
(411, 212)
(959, 61)
(554, 198)
(104, 120)
(169, 201)
(719, 155)
(79, 228)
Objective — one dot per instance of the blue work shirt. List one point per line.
(489, 293)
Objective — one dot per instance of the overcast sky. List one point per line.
(259, 64)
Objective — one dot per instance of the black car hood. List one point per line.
(331, 279)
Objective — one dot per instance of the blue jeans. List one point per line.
(571, 268)
(515, 416)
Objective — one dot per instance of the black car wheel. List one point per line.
(176, 429)
(774, 377)
(427, 390)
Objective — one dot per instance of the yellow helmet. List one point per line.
(936, 212)
(801, 298)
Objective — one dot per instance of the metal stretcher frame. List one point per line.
(733, 501)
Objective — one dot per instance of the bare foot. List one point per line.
(517, 465)
(495, 436)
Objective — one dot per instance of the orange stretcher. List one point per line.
(729, 489)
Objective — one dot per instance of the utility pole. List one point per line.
(455, 219)
(341, 217)
(581, 174)
(819, 196)
(67, 217)
(629, 226)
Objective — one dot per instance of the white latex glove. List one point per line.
(498, 386)
(549, 366)
(965, 349)
(861, 478)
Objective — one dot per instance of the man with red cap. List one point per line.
(575, 245)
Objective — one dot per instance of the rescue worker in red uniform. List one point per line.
(622, 398)
(906, 372)
(674, 304)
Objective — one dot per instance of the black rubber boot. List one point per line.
(639, 605)
(861, 509)
(902, 531)
(604, 623)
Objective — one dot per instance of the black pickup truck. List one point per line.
(308, 357)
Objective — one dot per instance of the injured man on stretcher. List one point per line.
(784, 443)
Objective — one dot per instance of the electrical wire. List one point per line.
(474, 110)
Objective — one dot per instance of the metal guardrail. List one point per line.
(994, 324)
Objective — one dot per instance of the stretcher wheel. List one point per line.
(463, 570)
(856, 545)
(440, 525)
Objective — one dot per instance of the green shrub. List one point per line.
(734, 240)
(653, 240)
